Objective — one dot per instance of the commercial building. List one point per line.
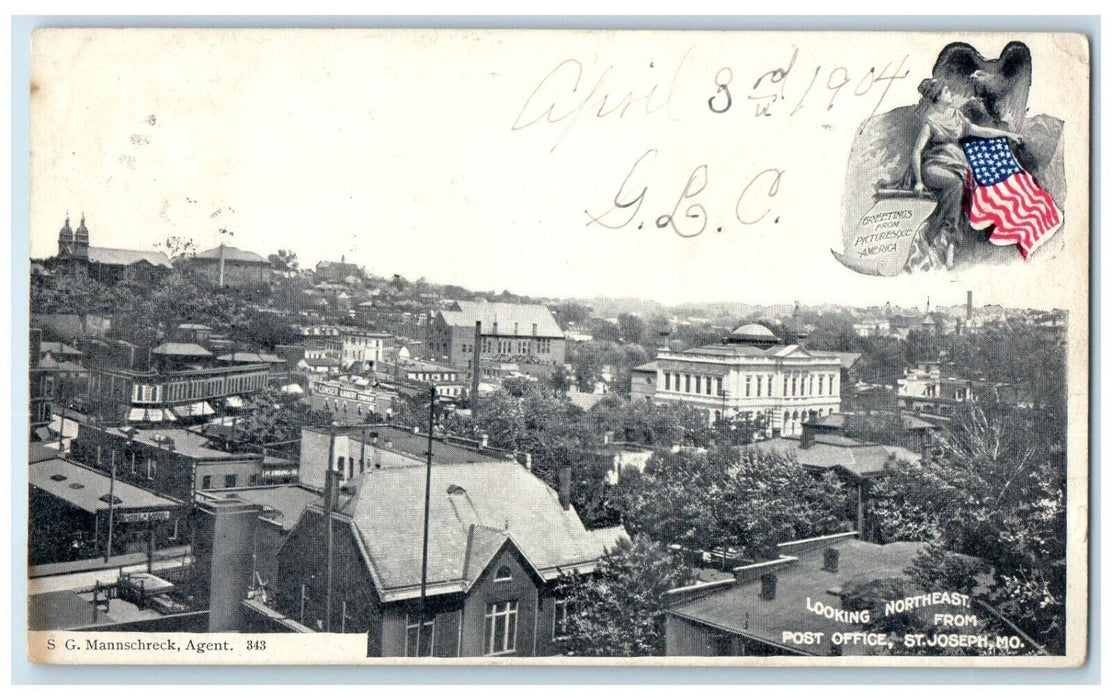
(764, 609)
(498, 538)
(447, 379)
(171, 461)
(369, 348)
(751, 373)
(523, 334)
(71, 506)
(352, 400)
(120, 396)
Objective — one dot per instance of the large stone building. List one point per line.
(751, 373)
(227, 266)
(109, 265)
(523, 334)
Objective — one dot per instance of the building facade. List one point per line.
(227, 266)
(124, 396)
(751, 374)
(522, 334)
(365, 346)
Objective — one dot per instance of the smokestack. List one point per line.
(830, 559)
(768, 586)
(476, 364)
(565, 488)
(969, 305)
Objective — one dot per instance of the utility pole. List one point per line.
(428, 497)
(111, 506)
(329, 498)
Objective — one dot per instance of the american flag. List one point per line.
(1004, 196)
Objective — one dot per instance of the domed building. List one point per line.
(752, 375)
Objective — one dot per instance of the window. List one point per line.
(229, 481)
(206, 482)
(503, 574)
(687, 383)
(667, 381)
(500, 634)
(747, 384)
(699, 384)
(419, 633)
(560, 620)
(760, 382)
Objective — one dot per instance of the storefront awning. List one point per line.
(200, 408)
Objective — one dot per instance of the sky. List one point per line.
(678, 167)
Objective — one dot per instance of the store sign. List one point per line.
(142, 517)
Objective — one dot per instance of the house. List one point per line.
(642, 382)
(855, 461)
(780, 607)
(752, 373)
(498, 539)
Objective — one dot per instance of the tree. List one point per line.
(995, 494)
(726, 498)
(270, 416)
(283, 260)
(176, 246)
(619, 611)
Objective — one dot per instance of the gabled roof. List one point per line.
(848, 359)
(466, 313)
(501, 499)
(120, 256)
(232, 254)
(250, 357)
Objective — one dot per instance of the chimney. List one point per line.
(529, 461)
(830, 559)
(969, 305)
(768, 586)
(484, 440)
(565, 487)
(807, 436)
(608, 437)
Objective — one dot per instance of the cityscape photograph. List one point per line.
(293, 372)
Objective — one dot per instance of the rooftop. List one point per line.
(186, 442)
(181, 350)
(860, 459)
(505, 316)
(120, 256)
(232, 254)
(88, 489)
(740, 608)
(474, 510)
(283, 504)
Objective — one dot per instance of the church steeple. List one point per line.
(65, 239)
(81, 239)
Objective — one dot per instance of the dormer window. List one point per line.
(503, 574)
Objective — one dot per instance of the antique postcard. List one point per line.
(558, 347)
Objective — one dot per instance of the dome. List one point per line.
(66, 231)
(753, 331)
(81, 230)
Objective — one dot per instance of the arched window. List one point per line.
(503, 574)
